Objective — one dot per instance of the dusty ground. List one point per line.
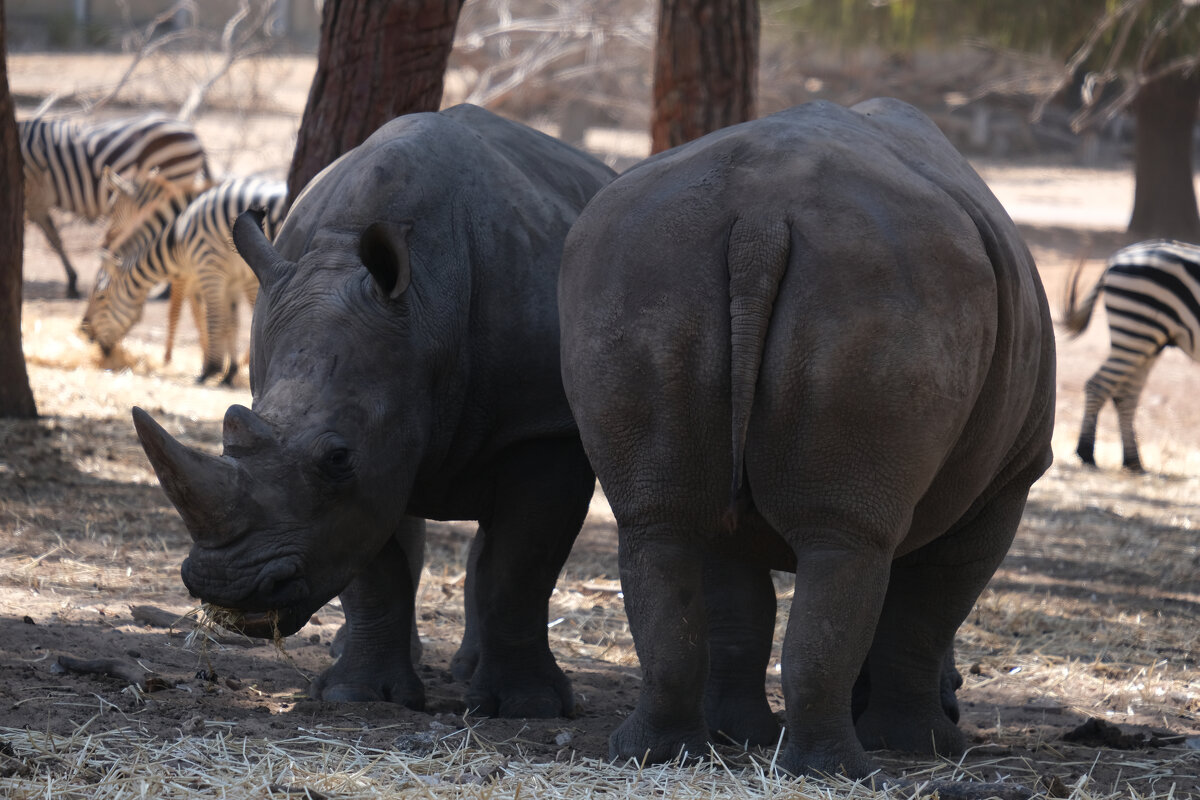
(1095, 614)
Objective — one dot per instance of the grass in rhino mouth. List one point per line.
(214, 621)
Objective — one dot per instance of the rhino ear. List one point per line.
(255, 248)
(383, 248)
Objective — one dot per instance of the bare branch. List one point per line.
(1093, 110)
(551, 52)
(1083, 53)
(234, 46)
(141, 43)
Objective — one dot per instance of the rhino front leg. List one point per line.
(542, 491)
(740, 600)
(931, 592)
(376, 661)
(661, 574)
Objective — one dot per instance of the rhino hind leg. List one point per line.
(542, 490)
(840, 585)
(740, 602)
(466, 658)
(951, 681)
(930, 594)
(662, 573)
(375, 647)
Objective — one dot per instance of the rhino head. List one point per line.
(311, 482)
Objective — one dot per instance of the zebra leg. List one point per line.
(199, 315)
(231, 342)
(216, 317)
(1096, 391)
(1126, 402)
(174, 307)
(44, 222)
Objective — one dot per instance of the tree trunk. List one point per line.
(705, 68)
(377, 59)
(16, 398)
(1164, 196)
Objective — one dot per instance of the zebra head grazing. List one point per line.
(182, 237)
(103, 322)
(144, 210)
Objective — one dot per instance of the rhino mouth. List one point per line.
(276, 603)
(274, 624)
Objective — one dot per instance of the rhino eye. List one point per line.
(337, 464)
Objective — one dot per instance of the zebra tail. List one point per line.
(1075, 318)
(757, 257)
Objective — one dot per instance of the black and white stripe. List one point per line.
(195, 252)
(65, 160)
(1152, 297)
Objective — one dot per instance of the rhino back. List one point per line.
(425, 165)
(897, 253)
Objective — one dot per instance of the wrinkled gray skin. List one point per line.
(814, 341)
(404, 366)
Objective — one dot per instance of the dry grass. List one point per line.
(211, 760)
(1092, 615)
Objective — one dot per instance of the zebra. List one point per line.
(195, 251)
(1152, 296)
(64, 161)
(143, 208)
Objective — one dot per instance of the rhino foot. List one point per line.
(462, 665)
(932, 733)
(850, 761)
(742, 720)
(359, 682)
(536, 694)
(637, 739)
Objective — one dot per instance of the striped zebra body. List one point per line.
(143, 209)
(196, 253)
(1152, 297)
(64, 163)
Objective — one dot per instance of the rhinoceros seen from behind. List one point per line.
(812, 342)
(404, 366)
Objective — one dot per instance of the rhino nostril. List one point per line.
(275, 576)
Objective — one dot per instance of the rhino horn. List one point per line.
(245, 432)
(203, 488)
(253, 245)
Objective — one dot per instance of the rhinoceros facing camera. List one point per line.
(404, 365)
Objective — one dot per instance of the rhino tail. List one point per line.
(757, 257)
(1076, 313)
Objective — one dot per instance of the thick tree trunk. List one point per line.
(16, 398)
(377, 59)
(1164, 198)
(705, 68)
